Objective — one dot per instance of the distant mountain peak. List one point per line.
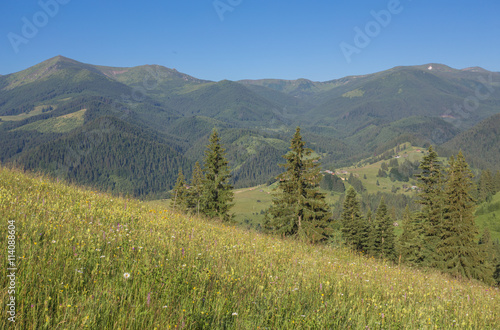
(432, 67)
(475, 69)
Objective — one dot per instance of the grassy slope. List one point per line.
(250, 203)
(61, 124)
(74, 245)
(385, 184)
(37, 111)
(480, 144)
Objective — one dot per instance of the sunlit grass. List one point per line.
(75, 248)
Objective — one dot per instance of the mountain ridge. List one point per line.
(345, 119)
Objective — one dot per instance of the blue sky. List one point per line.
(255, 38)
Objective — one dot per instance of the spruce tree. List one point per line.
(299, 208)
(496, 179)
(196, 190)
(458, 249)
(430, 184)
(410, 242)
(354, 227)
(180, 193)
(326, 182)
(496, 262)
(217, 193)
(338, 184)
(369, 218)
(486, 186)
(382, 240)
(487, 251)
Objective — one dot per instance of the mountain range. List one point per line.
(130, 130)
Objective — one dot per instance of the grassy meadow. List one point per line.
(90, 260)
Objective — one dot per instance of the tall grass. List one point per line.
(74, 247)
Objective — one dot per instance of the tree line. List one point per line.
(209, 192)
(439, 233)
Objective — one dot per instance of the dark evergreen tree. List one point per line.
(497, 182)
(381, 173)
(356, 183)
(180, 193)
(394, 163)
(410, 243)
(496, 262)
(298, 208)
(327, 182)
(338, 184)
(354, 228)
(217, 193)
(195, 190)
(458, 249)
(486, 186)
(488, 251)
(430, 183)
(369, 219)
(381, 239)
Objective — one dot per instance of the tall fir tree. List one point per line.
(496, 179)
(195, 190)
(180, 193)
(354, 228)
(496, 262)
(488, 251)
(410, 243)
(217, 193)
(458, 249)
(430, 184)
(369, 220)
(486, 186)
(299, 209)
(382, 239)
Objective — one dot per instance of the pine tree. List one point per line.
(382, 240)
(459, 252)
(487, 251)
(326, 182)
(369, 218)
(196, 190)
(497, 181)
(298, 208)
(496, 262)
(354, 227)
(338, 184)
(410, 242)
(486, 186)
(381, 174)
(430, 183)
(180, 193)
(356, 183)
(217, 193)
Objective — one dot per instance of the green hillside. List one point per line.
(86, 259)
(480, 144)
(111, 155)
(61, 124)
(344, 120)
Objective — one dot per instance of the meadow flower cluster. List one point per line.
(92, 260)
